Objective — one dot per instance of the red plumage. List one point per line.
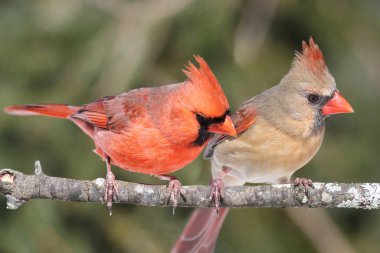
(52, 110)
(150, 130)
(202, 231)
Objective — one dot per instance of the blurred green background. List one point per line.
(77, 51)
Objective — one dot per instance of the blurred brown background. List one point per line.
(77, 51)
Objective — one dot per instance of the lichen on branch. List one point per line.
(19, 188)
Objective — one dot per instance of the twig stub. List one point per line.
(19, 188)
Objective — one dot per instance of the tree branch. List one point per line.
(19, 188)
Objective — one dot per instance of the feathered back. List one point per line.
(210, 99)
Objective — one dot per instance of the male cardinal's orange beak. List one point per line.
(226, 127)
(338, 104)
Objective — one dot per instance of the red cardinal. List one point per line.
(154, 131)
(279, 131)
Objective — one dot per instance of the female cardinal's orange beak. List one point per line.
(338, 104)
(226, 127)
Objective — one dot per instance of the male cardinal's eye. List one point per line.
(313, 98)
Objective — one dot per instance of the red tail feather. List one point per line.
(52, 110)
(201, 232)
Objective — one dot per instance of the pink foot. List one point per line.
(217, 187)
(174, 188)
(303, 184)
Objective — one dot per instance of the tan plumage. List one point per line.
(264, 154)
(280, 130)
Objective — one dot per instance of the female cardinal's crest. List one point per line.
(312, 52)
(311, 57)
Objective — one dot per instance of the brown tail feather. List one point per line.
(201, 231)
(52, 110)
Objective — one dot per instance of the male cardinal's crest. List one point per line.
(150, 130)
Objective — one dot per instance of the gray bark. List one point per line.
(19, 188)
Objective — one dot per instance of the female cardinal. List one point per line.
(153, 131)
(279, 131)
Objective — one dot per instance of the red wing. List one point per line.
(94, 114)
(243, 118)
(116, 112)
(97, 119)
(124, 109)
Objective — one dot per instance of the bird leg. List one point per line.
(304, 183)
(110, 187)
(217, 190)
(174, 189)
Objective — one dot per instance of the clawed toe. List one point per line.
(174, 189)
(304, 183)
(217, 188)
(110, 190)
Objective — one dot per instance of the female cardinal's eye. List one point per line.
(313, 98)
